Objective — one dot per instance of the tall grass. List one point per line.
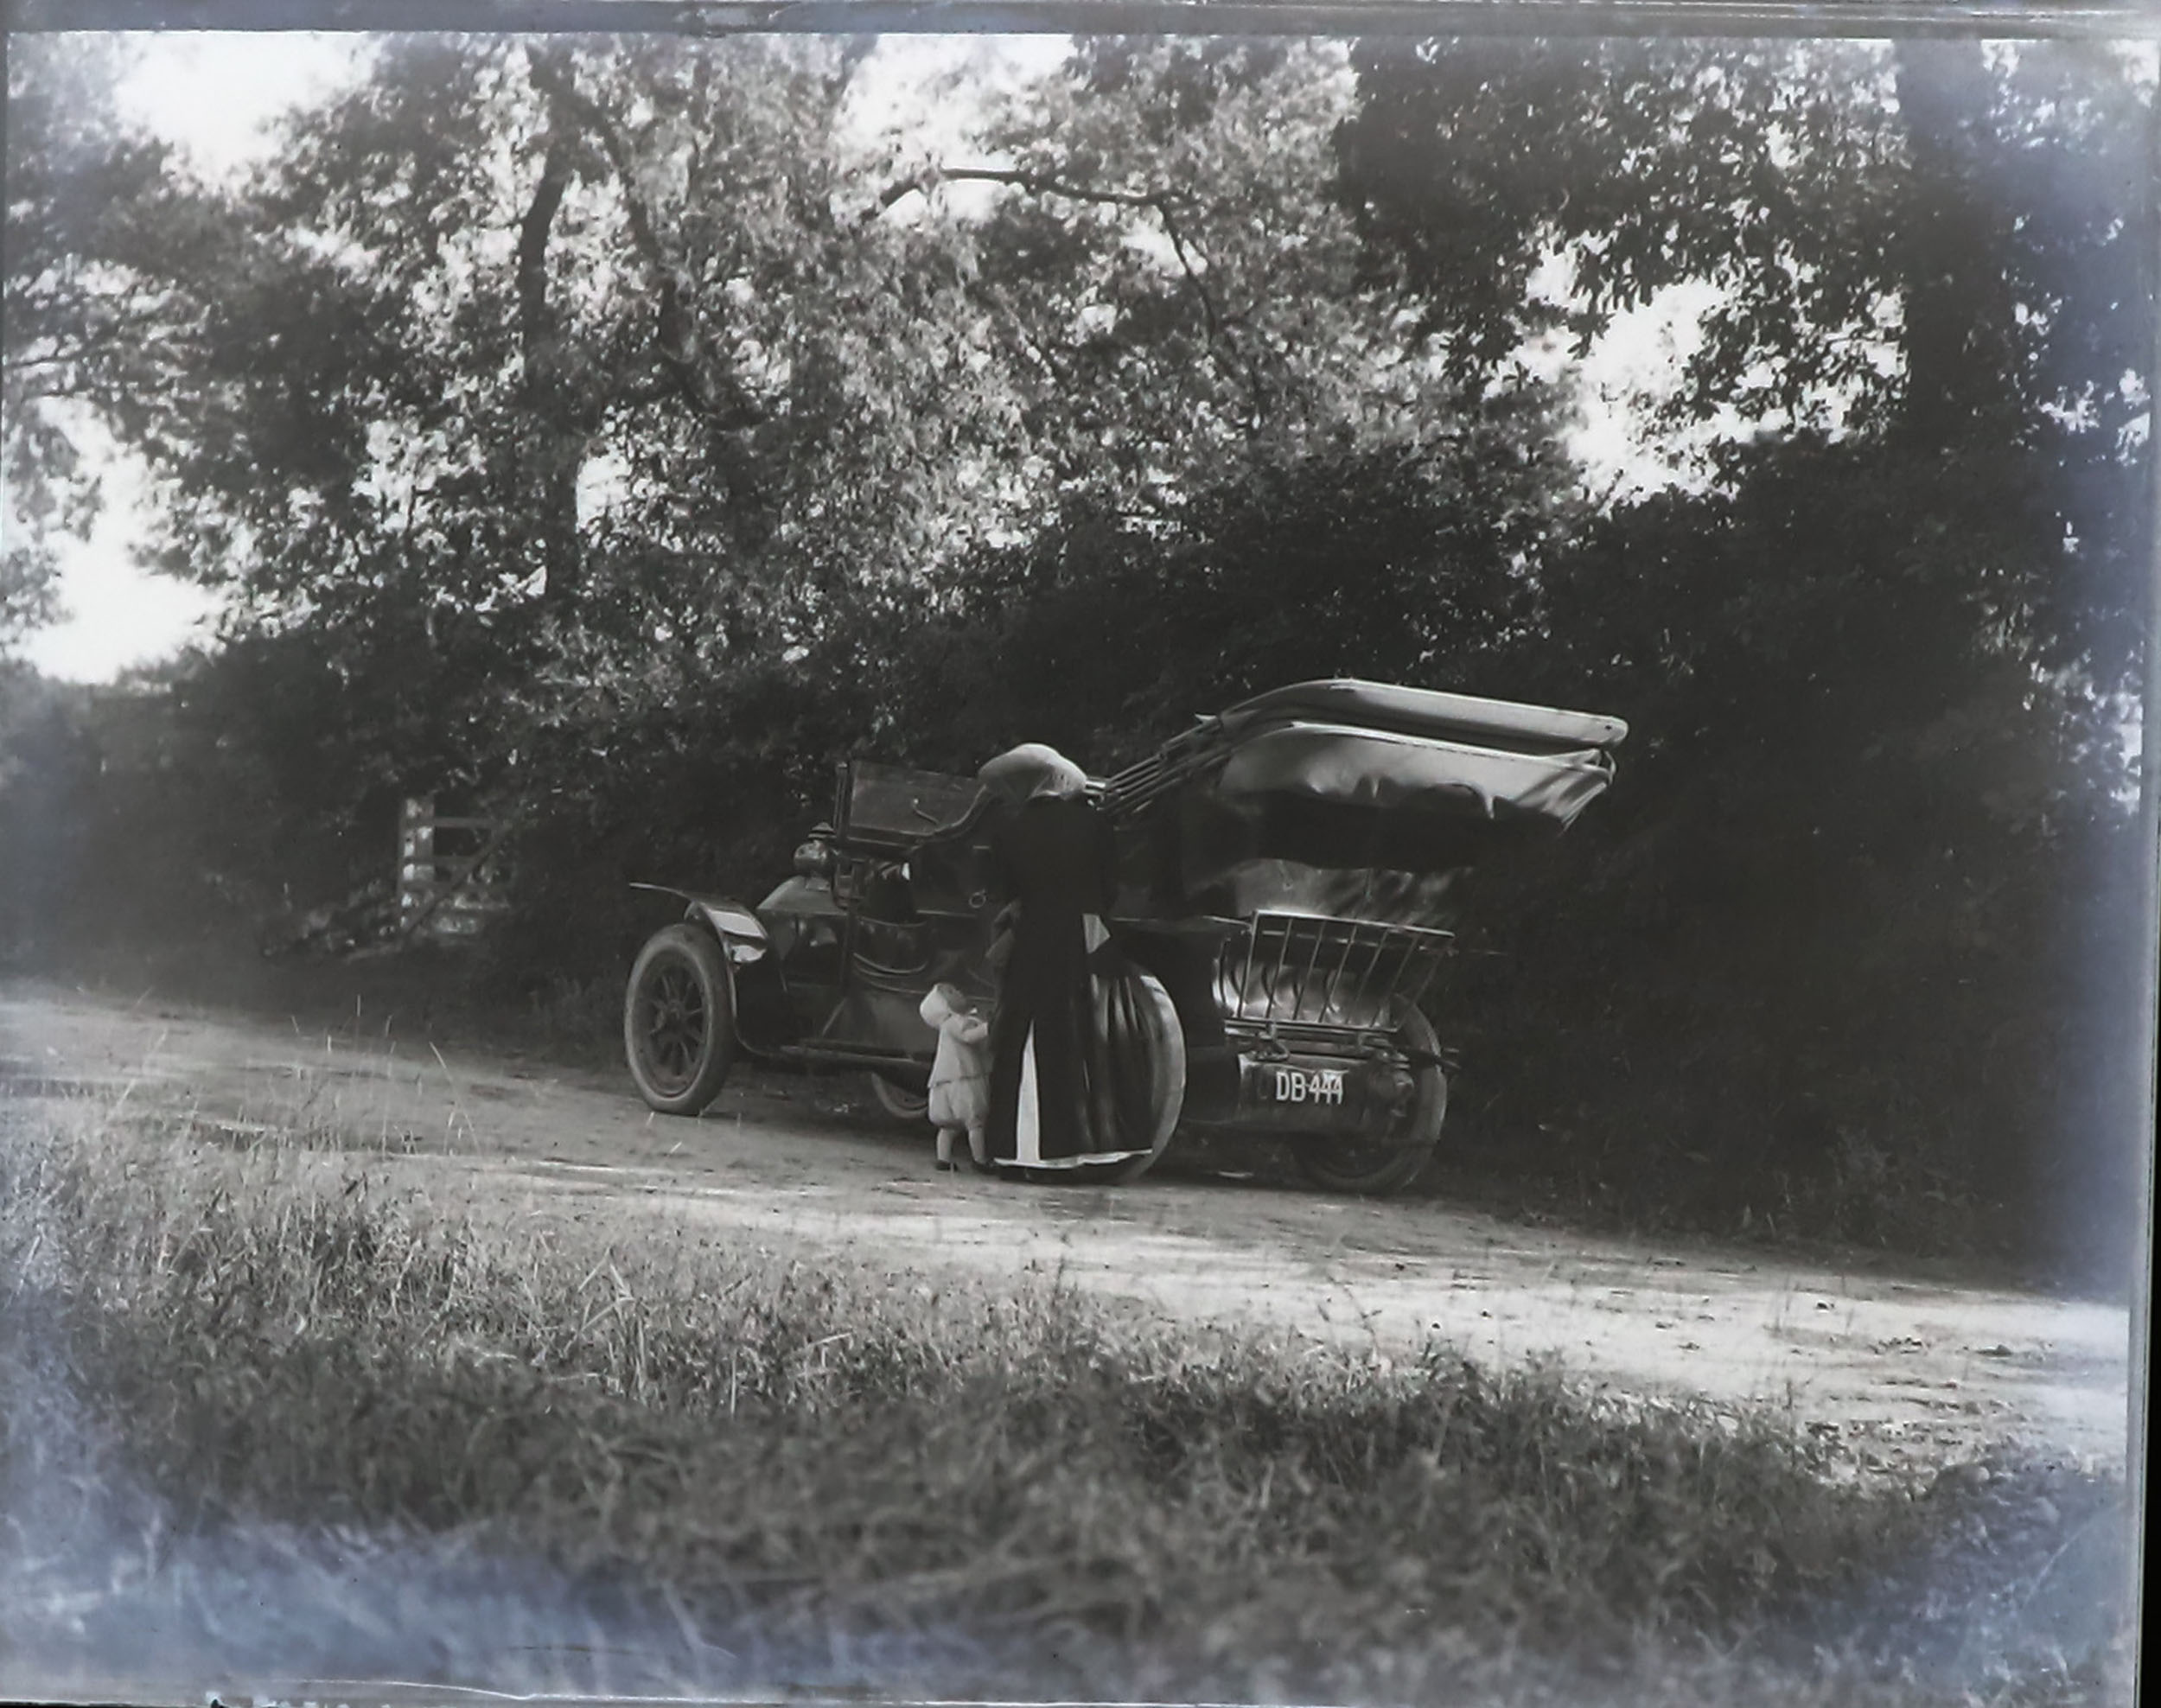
(992, 1491)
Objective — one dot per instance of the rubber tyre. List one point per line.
(902, 1102)
(1337, 1167)
(679, 1021)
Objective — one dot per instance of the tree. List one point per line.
(1935, 240)
(95, 227)
(1877, 670)
(555, 392)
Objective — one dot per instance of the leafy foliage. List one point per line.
(94, 232)
(1880, 816)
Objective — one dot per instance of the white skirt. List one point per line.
(1167, 1096)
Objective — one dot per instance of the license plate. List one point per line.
(1306, 1084)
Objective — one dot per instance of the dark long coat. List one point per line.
(1076, 1062)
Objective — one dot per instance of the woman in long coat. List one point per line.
(1088, 1064)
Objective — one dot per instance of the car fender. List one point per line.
(743, 935)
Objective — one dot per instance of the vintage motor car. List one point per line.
(1289, 869)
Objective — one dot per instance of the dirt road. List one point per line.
(1902, 1368)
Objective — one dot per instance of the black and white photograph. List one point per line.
(1097, 856)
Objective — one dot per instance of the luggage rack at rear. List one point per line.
(1289, 974)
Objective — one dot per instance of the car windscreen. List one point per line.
(894, 804)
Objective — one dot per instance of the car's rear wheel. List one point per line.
(901, 1100)
(1387, 1163)
(679, 1021)
(1157, 1017)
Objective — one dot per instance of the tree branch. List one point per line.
(716, 399)
(1036, 183)
(1157, 202)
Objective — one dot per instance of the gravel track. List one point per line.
(1906, 1369)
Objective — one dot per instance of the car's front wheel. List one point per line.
(907, 1103)
(679, 1021)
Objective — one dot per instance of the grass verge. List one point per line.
(770, 1474)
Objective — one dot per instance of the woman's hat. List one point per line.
(1032, 769)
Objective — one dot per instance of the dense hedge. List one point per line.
(1844, 953)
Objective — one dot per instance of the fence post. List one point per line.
(416, 859)
(447, 896)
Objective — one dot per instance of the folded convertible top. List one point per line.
(1461, 724)
(1424, 712)
(1301, 765)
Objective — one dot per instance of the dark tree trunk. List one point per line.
(554, 441)
(696, 371)
(1959, 313)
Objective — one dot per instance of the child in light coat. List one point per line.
(961, 1075)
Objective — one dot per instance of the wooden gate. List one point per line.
(447, 886)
